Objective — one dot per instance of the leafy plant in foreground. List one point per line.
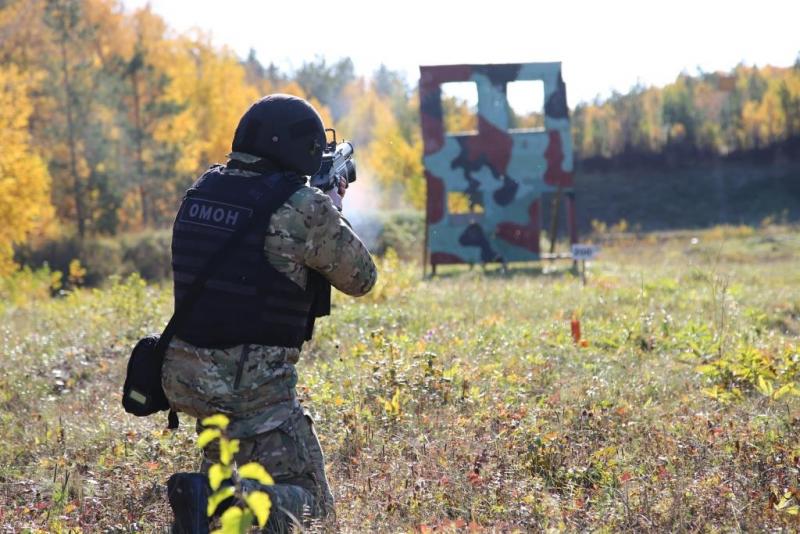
(750, 369)
(235, 519)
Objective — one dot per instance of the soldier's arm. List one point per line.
(333, 249)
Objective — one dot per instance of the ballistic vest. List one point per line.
(245, 300)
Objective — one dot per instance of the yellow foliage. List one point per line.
(324, 113)
(393, 160)
(76, 272)
(396, 161)
(459, 117)
(180, 129)
(367, 113)
(112, 35)
(24, 180)
(396, 278)
(206, 84)
(393, 406)
(291, 88)
(458, 202)
(219, 98)
(21, 29)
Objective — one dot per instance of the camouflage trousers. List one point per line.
(292, 455)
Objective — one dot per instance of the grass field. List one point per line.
(461, 403)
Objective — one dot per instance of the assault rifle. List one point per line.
(337, 165)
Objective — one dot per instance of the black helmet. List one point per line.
(284, 129)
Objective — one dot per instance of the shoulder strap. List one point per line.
(267, 205)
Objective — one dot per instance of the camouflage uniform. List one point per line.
(254, 385)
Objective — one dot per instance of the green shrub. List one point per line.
(26, 287)
(55, 254)
(146, 253)
(402, 231)
(149, 254)
(101, 257)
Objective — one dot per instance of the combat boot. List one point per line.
(188, 497)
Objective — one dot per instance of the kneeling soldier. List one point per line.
(236, 352)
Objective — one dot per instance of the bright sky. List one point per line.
(603, 45)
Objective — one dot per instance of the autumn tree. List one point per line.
(24, 181)
(75, 111)
(162, 148)
(63, 17)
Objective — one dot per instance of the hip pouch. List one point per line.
(142, 393)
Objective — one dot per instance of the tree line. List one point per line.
(708, 114)
(107, 116)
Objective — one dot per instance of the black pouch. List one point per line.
(142, 393)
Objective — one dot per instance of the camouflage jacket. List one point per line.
(254, 384)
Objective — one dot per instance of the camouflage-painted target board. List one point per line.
(501, 172)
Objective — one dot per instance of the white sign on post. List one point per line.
(584, 252)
